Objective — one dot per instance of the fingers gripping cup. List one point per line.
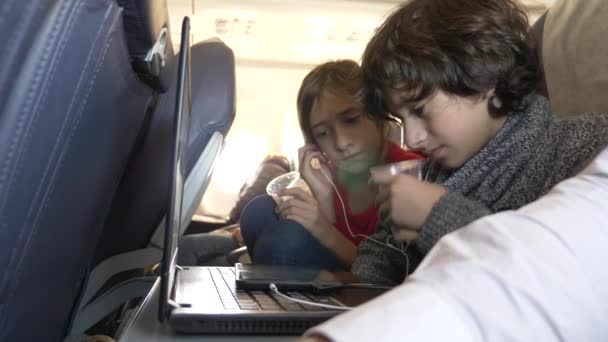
(408, 167)
(286, 181)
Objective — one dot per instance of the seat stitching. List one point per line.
(29, 100)
(77, 123)
(41, 186)
(14, 152)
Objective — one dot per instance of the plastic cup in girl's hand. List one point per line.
(286, 181)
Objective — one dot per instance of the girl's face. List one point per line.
(348, 138)
(449, 129)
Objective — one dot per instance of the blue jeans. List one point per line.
(275, 241)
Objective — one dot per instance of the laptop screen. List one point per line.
(180, 143)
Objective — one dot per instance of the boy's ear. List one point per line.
(491, 96)
(490, 93)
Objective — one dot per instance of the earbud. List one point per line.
(315, 163)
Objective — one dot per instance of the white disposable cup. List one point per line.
(286, 181)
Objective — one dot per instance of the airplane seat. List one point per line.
(140, 205)
(213, 101)
(213, 112)
(71, 108)
(132, 236)
(149, 41)
(147, 37)
(574, 56)
(538, 29)
(141, 195)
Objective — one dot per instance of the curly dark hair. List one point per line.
(462, 47)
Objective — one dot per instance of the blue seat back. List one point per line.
(70, 112)
(142, 194)
(214, 105)
(141, 203)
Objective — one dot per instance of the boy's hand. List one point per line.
(304, 209)
(404, 202)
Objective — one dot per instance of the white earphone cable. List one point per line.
(274, 289)
(388, 245)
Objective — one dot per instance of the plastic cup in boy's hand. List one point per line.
(286, 181)
(408, 167)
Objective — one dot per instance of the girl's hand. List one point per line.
(404, 202)
(319, 185)
(304, 209)
(238, 237)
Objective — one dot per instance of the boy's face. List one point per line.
(348, 138)
(449, 129)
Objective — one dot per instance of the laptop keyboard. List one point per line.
(234, 299)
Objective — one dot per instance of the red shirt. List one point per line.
(364, 222)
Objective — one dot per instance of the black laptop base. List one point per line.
(260, 324)
(208, 301)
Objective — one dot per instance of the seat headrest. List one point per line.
(213, 93)
(146, 25)
(538, 28)
(574, 56)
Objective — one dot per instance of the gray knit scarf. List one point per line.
(507, 152)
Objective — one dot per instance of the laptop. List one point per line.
(207, 299)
